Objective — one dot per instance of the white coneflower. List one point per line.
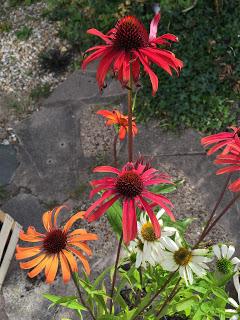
(234, 312)
(147, 246)
(185, 260)
(225, 262)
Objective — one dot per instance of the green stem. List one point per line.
(115, 272)
(202, 236)
(130, 116)
(169, 298)
(83, 302)
(167, 281)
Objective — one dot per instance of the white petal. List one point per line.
(230, 252)
(169, 265)
(200, 259)
(160, 213)
(189, 274)
(169, 244)
(217, 251)
(183, 274)
(235, 317)
(199, 252)
(235, 260)
(199, 271)
(233, 302)
(236, 282)
(138, 259)
(230, 310)
(224, 250)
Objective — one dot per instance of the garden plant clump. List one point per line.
(157, 274)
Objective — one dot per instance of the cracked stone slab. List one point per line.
(50, 153)
(25, 209)
(8, 164)
(82, 87)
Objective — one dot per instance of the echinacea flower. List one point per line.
(222, 140)
(147, 245)
(115, 117)
(185, 260)
(234, 312)
(57, 245)
(233, 162)
(225, 262)
(131, 186)
(129, 42)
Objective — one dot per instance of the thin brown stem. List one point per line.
(202, 236)
(169, 298)
(167, 281)
(115, 150)
(222, 214)
(115, 272)
(82, 300)
(130, 116)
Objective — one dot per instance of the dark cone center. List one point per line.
(129, 184)
(55, 241)
(130, 34)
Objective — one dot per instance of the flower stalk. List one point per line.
(82, 300)
(205, 230)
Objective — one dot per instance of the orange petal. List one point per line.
(38, 268)
(65, 268)
(32, 263)
(29, 237)
(82, 246)
(23, 253)
(83, 259)
(77, 232)
(84, 237)
(71, 260)
(75, 217)
(51, 269)
(56, 213)
(47, 220)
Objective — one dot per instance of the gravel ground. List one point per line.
(20, 71)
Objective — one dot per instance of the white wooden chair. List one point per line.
(9, 234)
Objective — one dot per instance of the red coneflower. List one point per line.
(115, 117)
(56, 245)
(233, 160)
(220, 140)
(129, 42)
(130, 185)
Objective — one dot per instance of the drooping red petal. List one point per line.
(154, 26)
(152, 75)
(154, 220)
(93, 56)
(103, 208)
(98, 202)
(99, 34)
(106, 169)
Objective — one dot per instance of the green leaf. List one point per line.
(69, 302)
(114, 215)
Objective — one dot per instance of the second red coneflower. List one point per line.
(57, 245)
(115, 117)
(131, 186)
(129, 42)
(222, 140)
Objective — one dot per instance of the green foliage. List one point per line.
(24, 33)
(15, 3)
(40, 91)
(202, 97)
(5, 26)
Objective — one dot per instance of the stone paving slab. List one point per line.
(8, 163)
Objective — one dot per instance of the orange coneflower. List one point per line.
(115, 117)
(56, 245)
